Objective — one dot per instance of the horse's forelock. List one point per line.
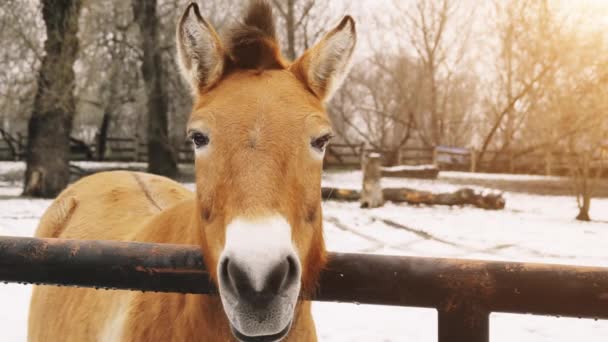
(252, 43)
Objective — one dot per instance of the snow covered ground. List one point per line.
(531, 228)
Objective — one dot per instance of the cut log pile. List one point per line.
(465, 196)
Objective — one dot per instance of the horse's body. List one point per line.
(259, 130)
(129, 206)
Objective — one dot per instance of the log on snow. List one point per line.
(465, 196)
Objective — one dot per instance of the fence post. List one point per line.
(136, 148)
(362, 148)
(435, 155)
(548, 162)
(21, 147)
(468, 323)
(473, 159)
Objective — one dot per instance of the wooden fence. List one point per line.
(11, 147)
(136, 150)
(116, 149)
(459, 159)
(464, 292)
(349, 156)
(337, 155)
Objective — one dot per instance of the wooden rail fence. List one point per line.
(459, 159)
(338, 155)
(115, 149)
(464, 292)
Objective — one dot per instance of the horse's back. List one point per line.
(113, 205)
(109, 206)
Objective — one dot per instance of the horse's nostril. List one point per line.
(277, 278)
(224, 274)
(293, 269)
(238, 278)
(282, 276)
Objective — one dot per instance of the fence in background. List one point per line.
(349, 156)
(459, 159)
(464, 292)
(115, 149)
(337, 155)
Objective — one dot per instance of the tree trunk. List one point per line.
(290, 23)
(583, 213)
(584, 188)
(110, 106)
(102, 137)
(435, 132)
(161, 157)
(48, 146)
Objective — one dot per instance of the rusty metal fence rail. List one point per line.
(464, 292)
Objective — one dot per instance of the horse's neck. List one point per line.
(175, 225)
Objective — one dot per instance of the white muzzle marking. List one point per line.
(258, 244)
(255, 250)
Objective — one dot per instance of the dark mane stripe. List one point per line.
(252, 43)
(259, 15)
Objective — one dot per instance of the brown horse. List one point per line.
(259, 130)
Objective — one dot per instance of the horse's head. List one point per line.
(259, 129)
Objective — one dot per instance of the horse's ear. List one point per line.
(324, 66)
(199, 50)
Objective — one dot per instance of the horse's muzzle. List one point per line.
(259, 276)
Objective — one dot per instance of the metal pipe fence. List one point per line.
(464, 292)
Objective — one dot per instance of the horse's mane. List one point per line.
(251, 43)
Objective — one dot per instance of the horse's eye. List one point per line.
(199, 139)
(320, 143)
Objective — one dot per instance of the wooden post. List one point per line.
(463, 324)
(548, 162)
(399, 157)
(511, 161)
(392, 157)
(371, 194)
(473, 159)
(136, 148)
(361, 152)
(21, 144)
(435, 155)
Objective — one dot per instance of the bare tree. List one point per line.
(303, 23)
(22, 34)
(49, 128)
(161, 157)
(527, 56)
(381, 117)
(582, 119)
(437, 31)
(417, 93)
